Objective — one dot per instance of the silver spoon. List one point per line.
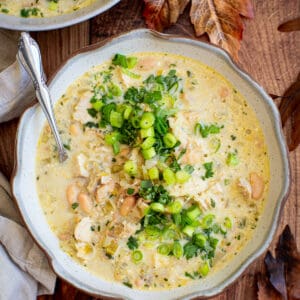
(30, 57)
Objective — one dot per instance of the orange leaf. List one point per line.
(221, 20)
(160, 14)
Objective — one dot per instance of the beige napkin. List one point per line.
(16, 89)
(24, 269)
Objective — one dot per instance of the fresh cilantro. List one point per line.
(212, 203)
(91, 125)
(68, 147)
(75, 205)
(130, 191)
(206, 130)
(189, 169)
(132, 243)
(128, 284)
(154, 193)
(92, 112)
(190, 250)
(208, 170)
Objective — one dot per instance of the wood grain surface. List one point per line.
(269, 56)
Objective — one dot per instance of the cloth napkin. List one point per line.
(24, 269)
(16, 89)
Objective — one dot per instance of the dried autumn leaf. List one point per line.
(160, 14)
(265, 290)
(286, 251)
(220, 19)
(276, 274)
(292, 25)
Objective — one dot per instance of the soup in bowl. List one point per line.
(170, 173)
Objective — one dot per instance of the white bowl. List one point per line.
(31, 124)
(39, 24)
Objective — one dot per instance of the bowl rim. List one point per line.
(275, 116)
(55, 22)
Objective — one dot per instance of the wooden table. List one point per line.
(271, 57)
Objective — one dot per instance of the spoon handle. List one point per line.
(30, 57)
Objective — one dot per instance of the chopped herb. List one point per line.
(190, 250)
(132, 243)
(206, 130)
(233, 137)
(208, 170)
(232, 159)
(91, 125)
(130, 191)
(189, 169)
(128, 284)
(75, 205)
(68, 147)
(212, 203)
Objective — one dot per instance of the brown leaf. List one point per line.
(292, 25)
(160, 14)
(220, 19)
(286, 251)
(265, 290)
(276, 274)
(290, 108)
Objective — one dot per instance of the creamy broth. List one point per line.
(41, 8)
(167, 175)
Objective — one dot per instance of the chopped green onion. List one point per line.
(153, 173)
(130, 74)
(193, 212)
(188, 230)
(176, 218)
(177, 249)
(170, 234)
(112, 138)
(137, 256)
(158, 207)
(97, 105)
(169, 176)
(127, 112)
(204, 269)
(116, 119)
(169, 140)
(174, 207)
(147, 120)
(135, 121)
(148, 153)
(153, 231)
(147, 132)
(215, 145)
(130, 168)
(115, 90)
(131, 62)
(200, 240)
(164, 249)
(148, 143)
(228, 223)
(232, 159)
(207, 221)
(182, 176)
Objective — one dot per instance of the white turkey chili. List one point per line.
(167, 173)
